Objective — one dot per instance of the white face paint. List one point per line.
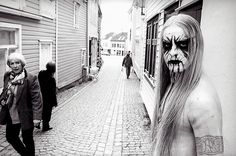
(175, 45)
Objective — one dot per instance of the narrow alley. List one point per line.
(106, 117)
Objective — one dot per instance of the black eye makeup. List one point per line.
(167, 45)
(182, 44)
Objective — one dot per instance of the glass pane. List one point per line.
(7, 37)
(45, 55)
(77, 14)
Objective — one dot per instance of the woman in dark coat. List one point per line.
(48, 89)
(24, 103)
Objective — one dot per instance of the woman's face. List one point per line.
(16, 66)
(176, 49)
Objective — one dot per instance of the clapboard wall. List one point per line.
(33, 29)
(70, 41)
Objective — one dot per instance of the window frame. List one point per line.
(151, 48)
(44, 42)
(76, 14)
(83, 57)
(17, 46)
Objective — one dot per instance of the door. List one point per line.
(45, 50)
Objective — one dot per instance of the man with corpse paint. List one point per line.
(188, 116)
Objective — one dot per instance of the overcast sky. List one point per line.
(115, 15)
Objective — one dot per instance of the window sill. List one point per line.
(150, 80)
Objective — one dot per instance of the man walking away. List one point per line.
(48, 88)
(127, 63)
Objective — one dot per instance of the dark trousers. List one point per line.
(47, 113)
(128, 72)
(12, 134)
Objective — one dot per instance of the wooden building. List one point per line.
(137, 37)
(106, 43)
(44, 30)
(118, 44)
(94, 24)
(115, 44)
(71, 40)
(27, 27)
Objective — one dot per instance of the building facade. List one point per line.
(45, 30)
(28, 27)
(136, 36)
(71, 40)
(217, 20)
(94, 17)
(106, 43)
(115, 44)
(99, 57)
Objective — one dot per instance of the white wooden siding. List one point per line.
(70, 42)
(148, 91)
(93, 18)
(148, 95)
(154, 7)
(32, 6)
(32, 31)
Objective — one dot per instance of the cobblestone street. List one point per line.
(103, 117)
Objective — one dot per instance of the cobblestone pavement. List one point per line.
(103, 117)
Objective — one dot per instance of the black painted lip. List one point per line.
(174, 62)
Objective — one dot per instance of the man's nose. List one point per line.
(174, 50)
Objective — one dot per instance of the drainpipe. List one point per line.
(57, 42)
(87, 34)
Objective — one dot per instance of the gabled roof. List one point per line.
(107, 36)
(120, 37)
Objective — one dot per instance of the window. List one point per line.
(76, 14)
(194, 10)
(47, 8)
(10, 41)
(45, 53)
(151, 44)
(170, 11)
(83, 56)
(113, 45)
(130, 35)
